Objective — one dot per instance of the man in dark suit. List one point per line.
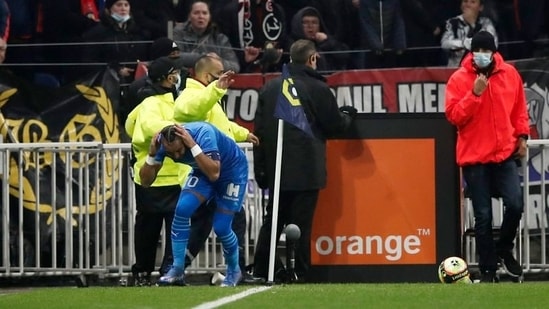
(303, 171)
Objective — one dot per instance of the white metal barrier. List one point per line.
(69, 208)
(531, 244)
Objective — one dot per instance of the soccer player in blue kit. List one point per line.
(219, 171)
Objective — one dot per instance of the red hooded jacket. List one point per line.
(488, 125)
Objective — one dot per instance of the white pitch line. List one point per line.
(232, 298)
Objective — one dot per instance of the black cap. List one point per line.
(110, 3)
(164, 66)
(162, 47)
(483, 39)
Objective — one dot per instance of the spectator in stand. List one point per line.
(4, 21)
(507, 27)
(154, 15)
(423, 32)
(382, 28)
(3, 49)
(308, 24)
(258, 30)
(533, 18)
(23, 29)
(329, 11)
(4, 29)
(117, 31)
(65, 21)
(341, 18)
(291, 7)
(199, 36)
(183, 8)
(155, 203)
(459, 30)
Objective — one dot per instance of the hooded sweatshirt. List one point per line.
(490, 124)
(326, 62)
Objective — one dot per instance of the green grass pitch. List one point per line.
(413, 295)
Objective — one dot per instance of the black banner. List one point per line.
(84, 111)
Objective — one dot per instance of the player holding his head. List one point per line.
(219, 171)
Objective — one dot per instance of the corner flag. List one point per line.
(288, 106)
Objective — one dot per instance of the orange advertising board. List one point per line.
(388, 189)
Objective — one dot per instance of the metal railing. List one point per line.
(69, 208)
(531, 242)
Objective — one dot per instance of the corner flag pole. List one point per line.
(276, 194)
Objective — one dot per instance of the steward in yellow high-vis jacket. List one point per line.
(156, 204)
(201, 100)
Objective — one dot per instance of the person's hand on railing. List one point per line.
(125, 72)
(521, 148)
(261, 179)
(252, 139)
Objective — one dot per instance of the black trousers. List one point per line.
(201, 226)
(482, 180)
(297, 207)
(155, 206)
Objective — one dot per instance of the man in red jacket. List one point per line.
(485, 101)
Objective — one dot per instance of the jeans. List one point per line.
(485, 181)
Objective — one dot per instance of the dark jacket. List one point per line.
(382, 24)
(23, 18)
(64, 21)
(327, 61)
(303, 157)
(154, 15)
(252, 24)
(121, 44)
(4, 20)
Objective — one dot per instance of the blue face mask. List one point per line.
(482, 60)
(120, 18)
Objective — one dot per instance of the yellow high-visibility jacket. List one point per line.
(201, 103)
(144, 121)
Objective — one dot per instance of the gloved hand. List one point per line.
(270, 56)
(349, 110)
(261, 179)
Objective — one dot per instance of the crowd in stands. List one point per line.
(69, 38)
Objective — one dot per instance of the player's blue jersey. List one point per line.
(217, 145)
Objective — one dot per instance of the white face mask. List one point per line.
(119, 18)
(482, 60)
(177, 84)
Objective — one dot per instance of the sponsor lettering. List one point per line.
(421, 97)
(245, 100)
(392, 246)
(365, 98)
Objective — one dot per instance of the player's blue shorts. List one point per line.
(228, 194)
